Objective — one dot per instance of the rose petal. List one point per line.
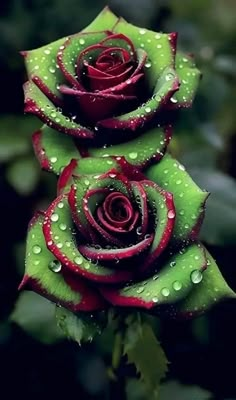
(39, 275)
(141, 199)
(119, 254)
(149, 147)
(168, 286)
(162, 205)
(189, 199)
(37, 103)
(54, 151)
(167, 85)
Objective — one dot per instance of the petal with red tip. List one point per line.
(38, 104)
(165, 87)
(189, 77)
(54, 151)
(189, 199)
(141, 151)
(162, 206)
(172, 283)
(44, 275)
(60, 238)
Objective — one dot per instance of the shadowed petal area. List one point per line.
(60, 238)
(43, 274)
(172, 283)
(189, 199)
(147, 148)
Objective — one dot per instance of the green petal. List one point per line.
(172, 282)
(140, 151)
(39, 265)
(189, 199)
(38, 104)
(189, 77)
(105, 20)
(157, 46)
(42, 64)
(212, 289)
(53, 150)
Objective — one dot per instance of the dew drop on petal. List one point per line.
(165, 292)
(155, 299)
(60, 205)
(177, 285)
(53, 159)
(62, 227)
(171, 214)
(54, 217)
(55, 266)
(133, 155)
(78, 260)
(140, 289)
(36, 249)
(196, 276)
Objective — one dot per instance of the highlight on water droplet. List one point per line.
(36, 249)
(165, 292)
(78, 260)
(177, 285)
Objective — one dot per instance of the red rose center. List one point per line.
(117, 213)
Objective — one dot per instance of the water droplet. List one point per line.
(171, 214)
(53, 159)
(148, 109)
(59, 245)
(139, 230)
(78, 260)
(36, 249)
(196, 276)
(155, 299)
(133, 155)
(172, 263)
(52, 70)
(173, 100)
(82, 41)
(54, 217)
(178, 182)
(165, 292)
(62, 227)
(169, 76)
(140, 289)
(159, 46)
(177, 285)
(148, 64)
(60, 205)
(47, 51)
(142, 31)
(55, 266)
(181, 212)
(36, 262)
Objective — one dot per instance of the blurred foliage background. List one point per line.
(35, 361)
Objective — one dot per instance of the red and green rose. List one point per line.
(123, 229)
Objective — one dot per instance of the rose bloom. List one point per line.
(122, 238)
(111, 76)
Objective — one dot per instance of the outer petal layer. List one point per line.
(172, 283)
(40, 277)
(189, 199)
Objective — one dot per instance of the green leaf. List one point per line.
(172, 390)
(79, 327)
(23, 175)
(145, 352)
(36, 316)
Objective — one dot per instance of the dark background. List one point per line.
(35, 362)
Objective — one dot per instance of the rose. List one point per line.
(123, 238)
(112, 75)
